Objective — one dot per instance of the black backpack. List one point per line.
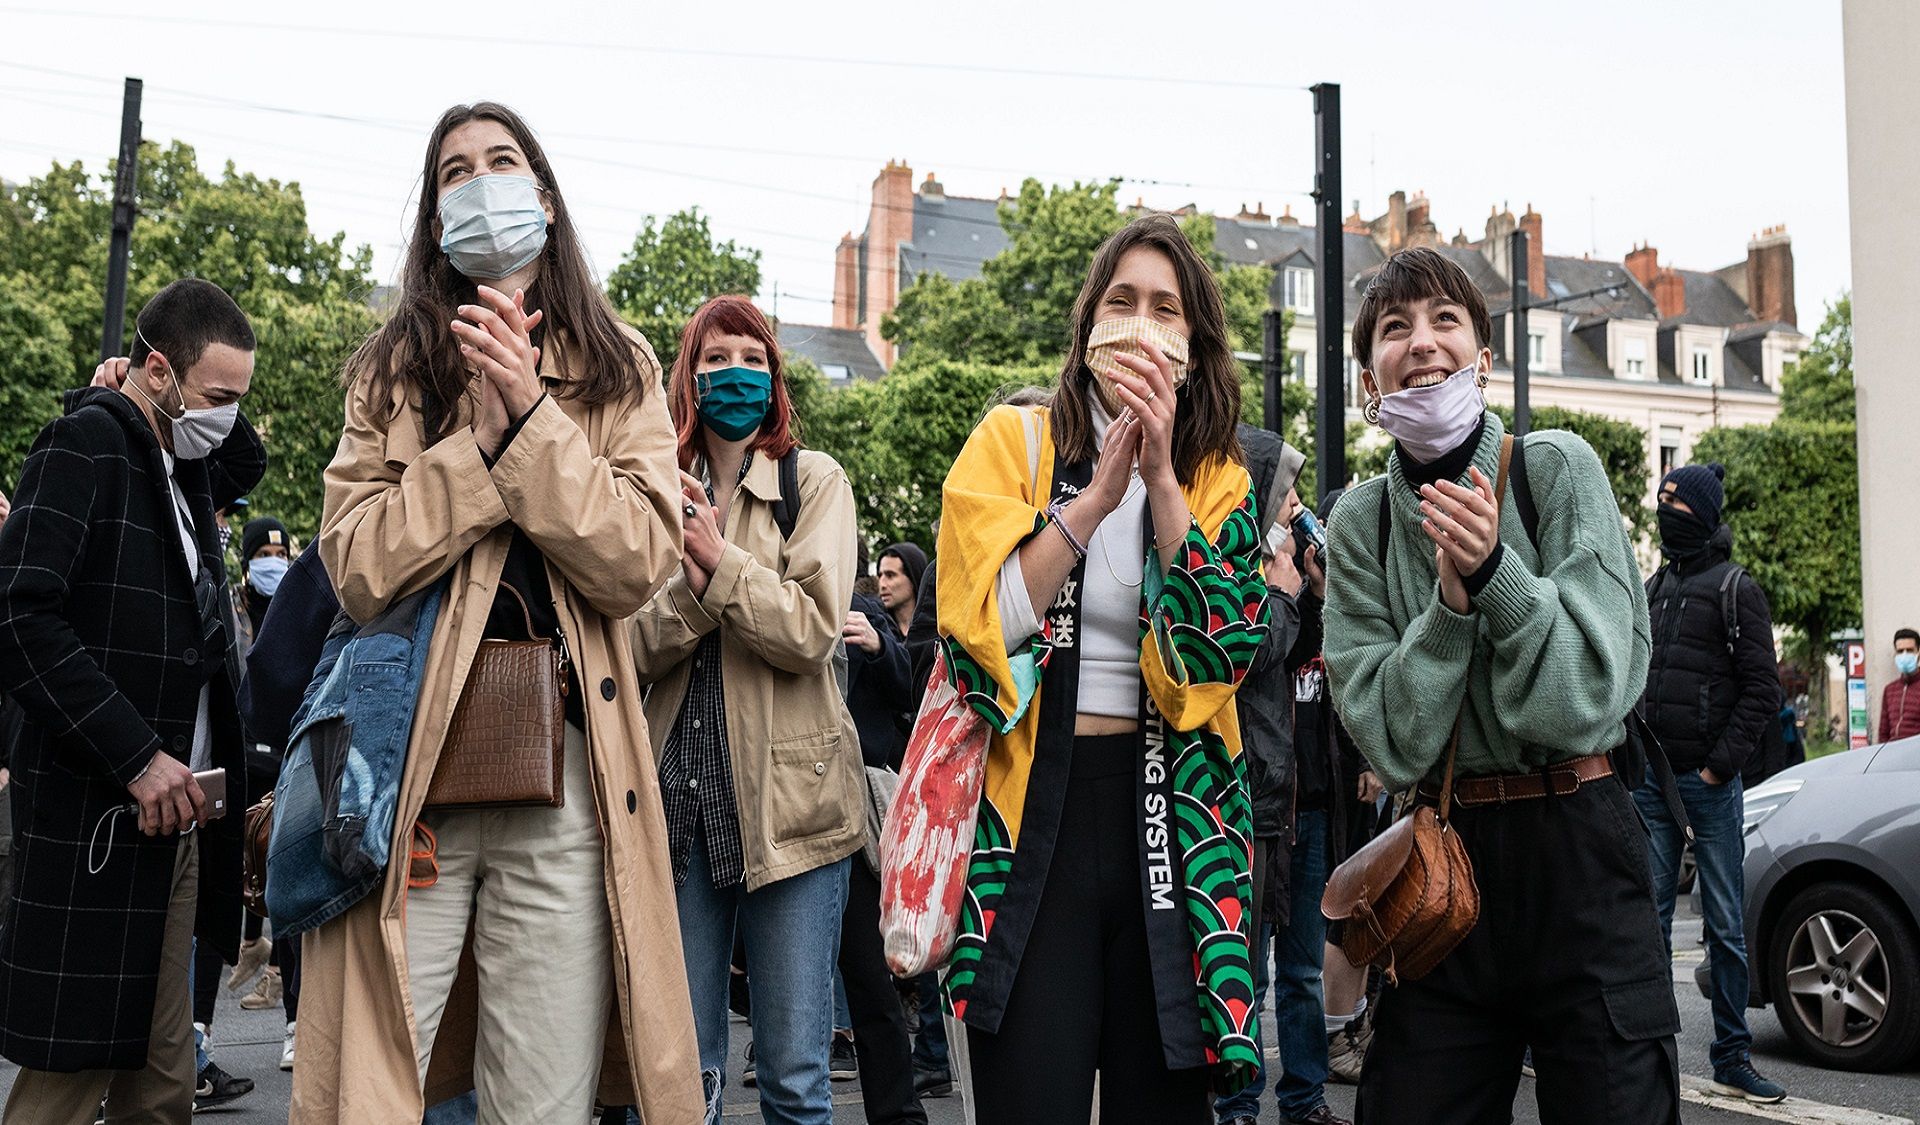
(1641, 749)
(1729, 599)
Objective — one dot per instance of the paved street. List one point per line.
(248, 1043)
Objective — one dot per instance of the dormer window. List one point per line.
(1300, 290)
(1634, 354)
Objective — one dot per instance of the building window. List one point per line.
(1297, 366)
(1536, 348)
(1702, 365)
(1300, 290)
(1669, 450)
(837, 372)
(1635, 353)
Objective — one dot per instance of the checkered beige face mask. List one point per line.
(1122, 337)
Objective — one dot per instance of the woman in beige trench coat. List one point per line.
(537, 958)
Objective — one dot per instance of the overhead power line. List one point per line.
(443, 36)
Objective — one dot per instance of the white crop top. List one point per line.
(1108, 632)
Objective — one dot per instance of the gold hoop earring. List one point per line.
(1371, 411)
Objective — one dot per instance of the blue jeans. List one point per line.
(1719, 852)
(1299, 1011)
(459, 1110)
(792, 931)
(930, 1044)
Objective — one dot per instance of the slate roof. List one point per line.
(952, 235)
(844, 347)
(1710, 301)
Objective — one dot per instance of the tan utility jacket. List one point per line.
(780, 604)
(597, 489)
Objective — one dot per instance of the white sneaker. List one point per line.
(286, 1049)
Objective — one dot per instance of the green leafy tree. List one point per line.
(305, 295)
(1622, 447)
(673, 269)
(1793, 498)
(1818, 387)
(1793, 501)
(938, 318)
(35, 366)
(1020, 309)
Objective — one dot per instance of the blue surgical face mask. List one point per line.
(734, 400)
(492, 225)
(1907, 662)
(264, 575)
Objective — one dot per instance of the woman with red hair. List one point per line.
(759, 763)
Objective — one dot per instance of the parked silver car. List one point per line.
(1833, 904)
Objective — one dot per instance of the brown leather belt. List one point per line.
(1499, 789)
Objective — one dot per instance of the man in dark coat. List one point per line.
(113, 641)
(1712, 686)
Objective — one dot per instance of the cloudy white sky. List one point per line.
(1690, 126)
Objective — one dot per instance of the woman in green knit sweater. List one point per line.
(1530, 635)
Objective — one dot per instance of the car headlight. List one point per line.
(1763, 800)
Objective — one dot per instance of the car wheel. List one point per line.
(1842, 971)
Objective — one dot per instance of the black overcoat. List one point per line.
(104, 644)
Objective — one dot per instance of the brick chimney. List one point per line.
(1355, 222)
(933, 190)
(1770, 276)
(1669, 293)
(1460, 237)
(1418, 210)
(1257, 215)
(1286, 217)
(846, 282)
(1643, 262)
(1536, 252)
(889, 223)
(1396, 221)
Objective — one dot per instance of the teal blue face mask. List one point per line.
(733, 400)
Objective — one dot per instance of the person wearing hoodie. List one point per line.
(1711, 687)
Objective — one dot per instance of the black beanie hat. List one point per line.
(1700, 488)
(259, 533)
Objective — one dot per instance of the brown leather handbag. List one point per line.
(1408, 898)
(506, 743)
(255, 834)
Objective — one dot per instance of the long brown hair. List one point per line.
(1208, 405)
(416, 349)
(728, 316)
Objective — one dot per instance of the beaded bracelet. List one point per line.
(1056, 515)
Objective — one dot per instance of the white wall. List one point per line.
(1882, 37)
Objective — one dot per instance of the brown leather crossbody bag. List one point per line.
(256, 835)
(506, 744)
(1408, 898)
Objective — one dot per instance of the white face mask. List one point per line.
(1432, 421)
(492, 225)
(196, 433)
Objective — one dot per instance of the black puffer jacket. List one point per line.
(1706, 704)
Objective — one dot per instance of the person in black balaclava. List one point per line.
(1711, 688)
